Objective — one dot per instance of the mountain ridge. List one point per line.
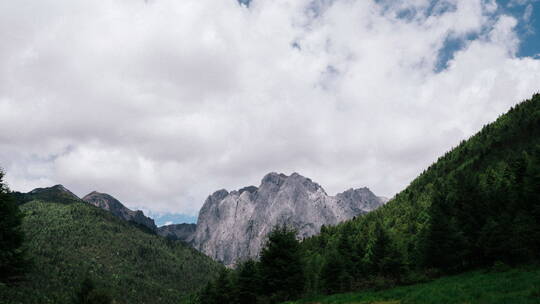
(111, 204)
(232, 225)
(69, 242)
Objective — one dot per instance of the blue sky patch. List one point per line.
(244, 2)
(172, 218)
(526, 12)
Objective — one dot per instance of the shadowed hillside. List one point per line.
(70, 241)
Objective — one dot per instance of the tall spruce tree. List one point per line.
(247, 283)
(12, 257)
(224, 290)
(332, 272)
(281, 265)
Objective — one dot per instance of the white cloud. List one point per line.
(513, 3)
(160, 103)
(528, 13)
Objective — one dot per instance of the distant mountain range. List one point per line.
(232, 226)
(69, 239)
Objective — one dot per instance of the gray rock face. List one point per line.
(109, 203)
(181, 232)
(232, 226)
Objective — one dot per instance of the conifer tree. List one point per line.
(247, 283)
(88, 294)
(12, 256)
(281, 265)
(332, 273)
(375, 248)
(224, 291)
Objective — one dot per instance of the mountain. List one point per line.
(109, 203)
(58, 193)
(68, 239)
(180, 232)
(232, 226)
(476, 206)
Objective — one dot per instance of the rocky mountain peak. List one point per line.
(111, 204)
(104, 201)
(233, 225)
(249, 189)
(294, 185)
(273, 178)
(220, 194)
(351, 197)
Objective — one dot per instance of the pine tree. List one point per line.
(247, 283)
(445, 245)
(375, 248)
(208, 294)
(332, 273)
(12, 256)
(531, 186)
(88, 294)
(224, 290)
(281, 265)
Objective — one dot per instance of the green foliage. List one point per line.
(12, 256)
(88, 294)
(278, 276)
(477, 205)
(248, 283)
(516, 286)
(281, 265)
(70, 241)
(332, 273)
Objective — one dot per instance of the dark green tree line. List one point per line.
(13, 261)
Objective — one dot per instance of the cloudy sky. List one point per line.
(162, 102)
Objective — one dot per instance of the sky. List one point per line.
(162, 102)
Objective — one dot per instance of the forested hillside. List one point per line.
(477, 206)
(71, 241)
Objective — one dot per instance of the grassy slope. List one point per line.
(515, 286)
(68, 241)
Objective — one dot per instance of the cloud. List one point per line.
(513, 3)
(160, 103)
(528, 13)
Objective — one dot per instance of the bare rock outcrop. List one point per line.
(232, 226)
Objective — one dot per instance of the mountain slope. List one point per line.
(109, 203)
(477, 207)
(478, 204)
(70, 241)
(232, 226)
(180, 232)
